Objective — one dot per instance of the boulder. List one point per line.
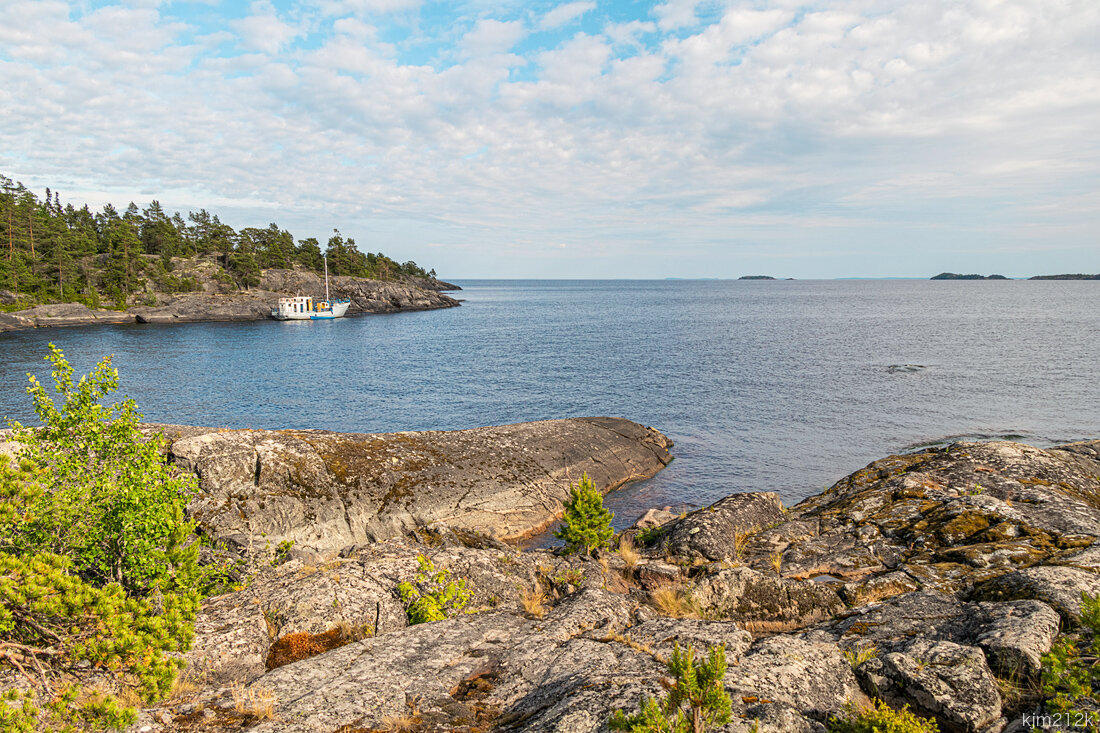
(763, 603)
(654, 518)
(66, 314)
(252, 305)
(1014, 635)
(13, 322)
(716, 532)
(1059, 586)
(808, 674)
(939, 679)
(877, 588)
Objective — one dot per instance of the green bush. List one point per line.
(697, 699)
(109, 500)
(586, 523)
(881, 718)
(97, 567)
(1070, 676)
(433, 595)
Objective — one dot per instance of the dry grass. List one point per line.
(627, 641)
(740, 542)
(673, 599)
(629, 553)
(776, 560)
(399, 723)
(183, 688)
(129, 697)
(1019, 692)
(533, 601)
(350, 632)
(259, 702)
(617, 583)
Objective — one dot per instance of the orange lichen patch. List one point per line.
(295, 647)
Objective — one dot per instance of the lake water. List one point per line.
(773, 385)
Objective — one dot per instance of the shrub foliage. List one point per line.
(433, 595)
(881, 718)
(1071, 673)
(98, 579)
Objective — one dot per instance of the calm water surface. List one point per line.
(775, 385)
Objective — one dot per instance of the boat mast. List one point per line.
(326, 276)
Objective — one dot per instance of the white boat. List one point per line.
(303, 307)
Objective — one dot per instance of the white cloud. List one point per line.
(675, 14)
(262, 30)
(703, 119)
(355, 28)
(492, 36)
(628, 34)
(564, 14)
(373, 7)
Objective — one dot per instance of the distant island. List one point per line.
(957, 276)
(756, 277)
(1078, 276)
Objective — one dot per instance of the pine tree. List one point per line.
(585, 523)
(697, 698)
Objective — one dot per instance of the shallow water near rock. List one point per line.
(764, 385)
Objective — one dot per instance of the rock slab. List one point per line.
(327, 491)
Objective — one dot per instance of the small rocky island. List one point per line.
(957, 276)
(935, 579)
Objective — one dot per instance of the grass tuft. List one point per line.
(533, 601)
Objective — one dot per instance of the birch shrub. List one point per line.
(99, 580)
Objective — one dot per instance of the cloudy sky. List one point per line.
(597, 138)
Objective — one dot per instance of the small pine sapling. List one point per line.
(586, 523)
(697, 699)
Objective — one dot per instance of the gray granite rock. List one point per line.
(1014, 635)
(713, 533)
(949, 682)
(326, 490)
(765, 603)
(1059, 586)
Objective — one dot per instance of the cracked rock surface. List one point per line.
(936, 580)
(327, 491)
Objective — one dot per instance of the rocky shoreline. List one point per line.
(935, 579)
(218, 301)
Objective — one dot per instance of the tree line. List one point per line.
(50, 252)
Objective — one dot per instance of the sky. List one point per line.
(592, 138)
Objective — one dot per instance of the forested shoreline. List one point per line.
(51, 252)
